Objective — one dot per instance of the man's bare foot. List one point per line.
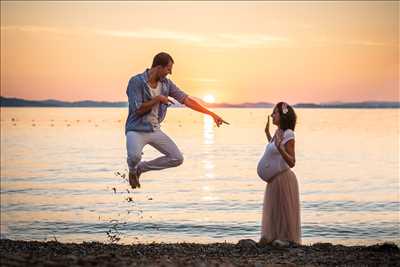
(134, 179)
(263, 242)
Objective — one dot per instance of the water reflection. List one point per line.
(208, 159)
(208, 130)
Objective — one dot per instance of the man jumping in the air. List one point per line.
(148, 102)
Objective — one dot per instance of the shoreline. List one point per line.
(244, 253)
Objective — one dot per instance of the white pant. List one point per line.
(135, 141)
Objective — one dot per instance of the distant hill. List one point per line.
(17, 102)
(367, 104)
(242, 105)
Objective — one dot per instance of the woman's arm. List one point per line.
(267, 131)
(287, 151)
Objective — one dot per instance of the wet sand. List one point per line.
(244, 253)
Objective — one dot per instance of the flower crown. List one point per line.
(285, 108)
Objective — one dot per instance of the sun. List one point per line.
(209, 99)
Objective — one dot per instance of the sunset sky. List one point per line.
(234, 51)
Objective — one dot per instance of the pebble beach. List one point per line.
(244, 253)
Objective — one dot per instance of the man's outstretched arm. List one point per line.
(193, 104)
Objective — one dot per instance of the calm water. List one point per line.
(61, 177)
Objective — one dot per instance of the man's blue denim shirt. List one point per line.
(138, 92)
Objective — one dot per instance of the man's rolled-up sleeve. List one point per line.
(135, 94)
(177, 93)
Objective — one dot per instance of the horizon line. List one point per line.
(214, 103)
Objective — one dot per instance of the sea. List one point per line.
(64, 171)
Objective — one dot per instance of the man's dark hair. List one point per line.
(161, 59)
(288, 120)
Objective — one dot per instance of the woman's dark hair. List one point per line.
(288, 118)
(161, 59)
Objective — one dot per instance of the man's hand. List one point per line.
(147, 106)
(218, 120)
(191, 103)
(164, 100)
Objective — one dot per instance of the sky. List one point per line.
(234, 51)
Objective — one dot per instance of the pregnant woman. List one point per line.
(281, 208)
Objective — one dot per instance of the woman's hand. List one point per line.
(266, 130)
(267, 126)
